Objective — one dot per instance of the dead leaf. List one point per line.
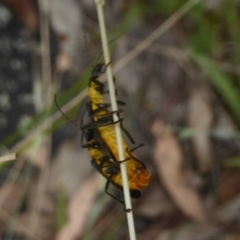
(63, 62)
(190, 232)
(229, 186)
(79, 208)
(225, 125)
(70, 167)
(10, 193)
(169, 162)
(44, 229)
(66, 19)
(228, 211)
(150, 206)
(200, 119)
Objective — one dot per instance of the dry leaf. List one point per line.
(200, 119)
(63, 62)
(224, 125)
(229, 186)
(228, 211)
(190, 232)
(66, 19)
(78, 209)
(10, 196)
(150, 206)
(169, 161)
(70, 167)
(45, 225)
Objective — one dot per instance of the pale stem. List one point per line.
(8, 157)
(128, 205)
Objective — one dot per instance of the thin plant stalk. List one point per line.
(9, 157)
(43, 142)
(128, 204)
(148, 41)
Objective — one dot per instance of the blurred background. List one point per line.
(176, 65)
